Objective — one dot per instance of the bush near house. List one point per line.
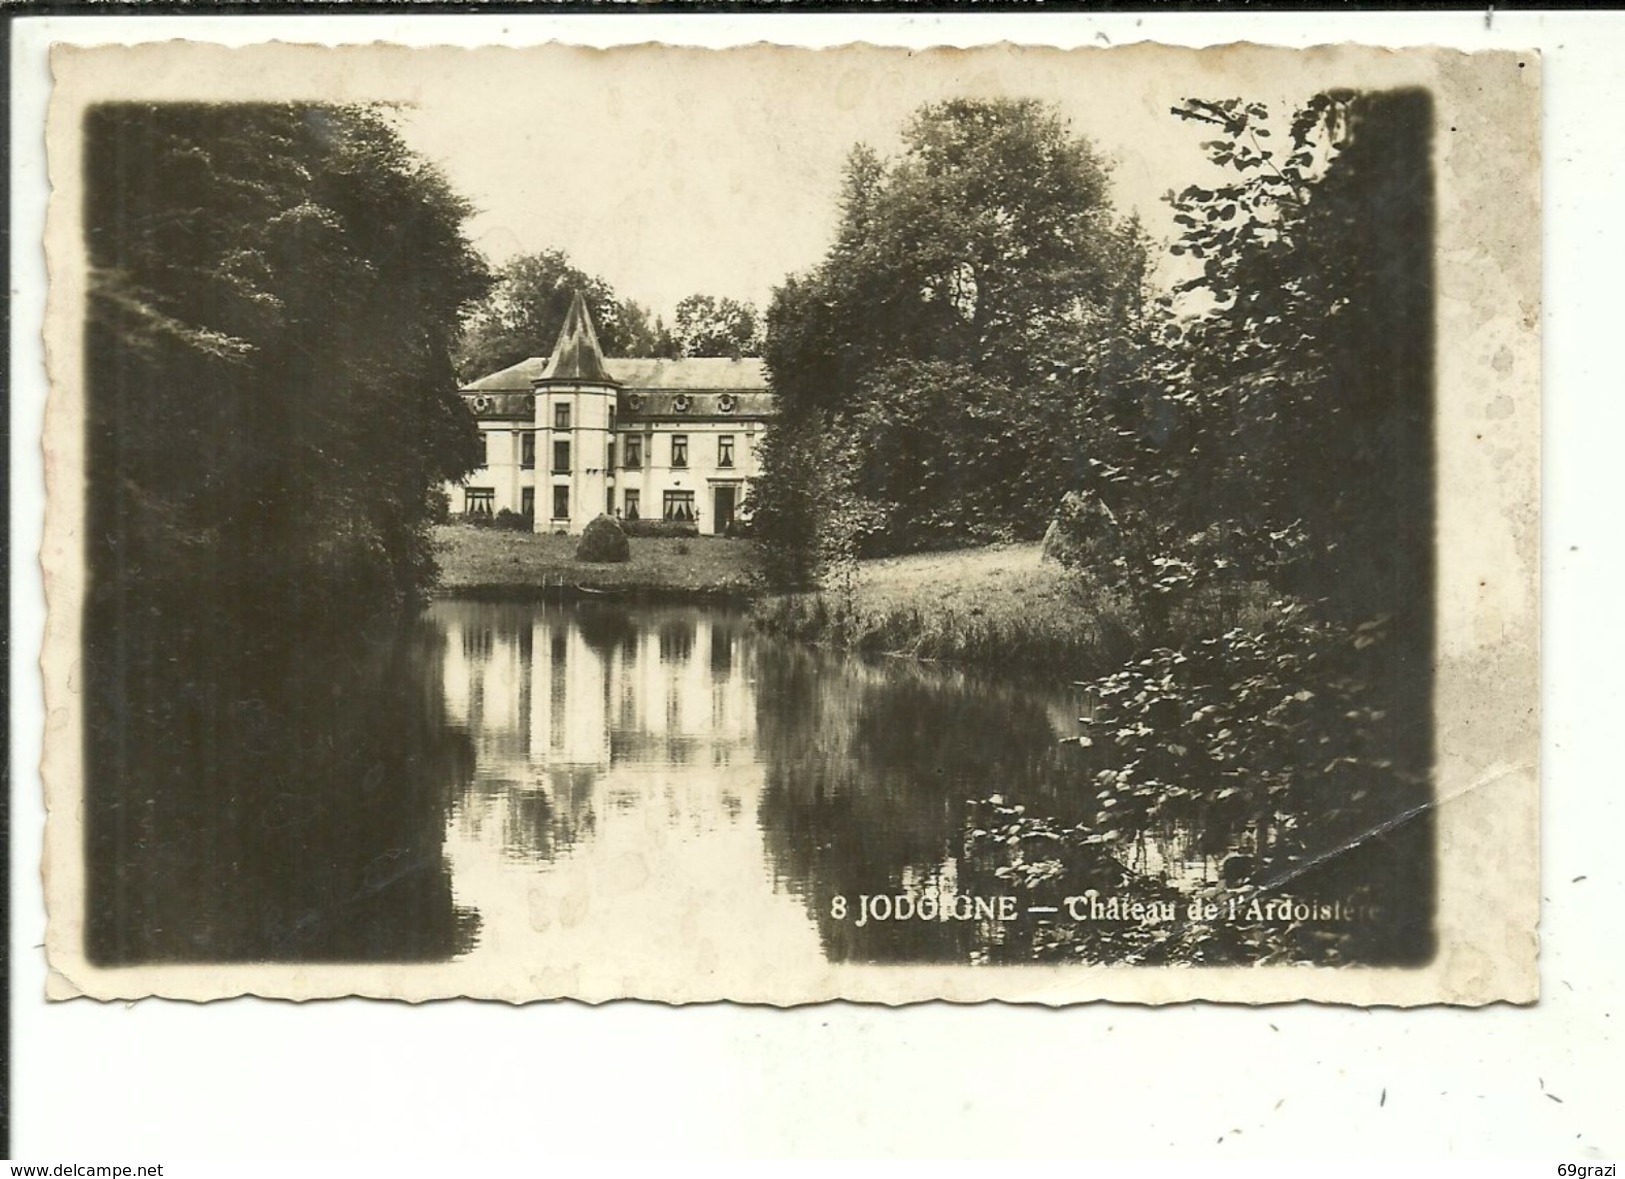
(660, 527)
(603, 542)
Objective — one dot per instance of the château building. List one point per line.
(576, 435)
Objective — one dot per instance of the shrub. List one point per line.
(1083, 533)
(514, 521)
(603, 541)
(660, 527)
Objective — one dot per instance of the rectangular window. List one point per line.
(527, 450)
(725, 450)
(561, 415)
(561, 503)
(679, 505)
(633, 500)
(561, 457)
(609, 456)
(479, 501)
(634, 453)
(527, 502)
(679, 450)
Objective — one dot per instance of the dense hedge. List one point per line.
(660, 527)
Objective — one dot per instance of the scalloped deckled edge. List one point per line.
(1488, 688)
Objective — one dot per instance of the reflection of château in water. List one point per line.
(553, 698)
(612, 808)
(666, 780)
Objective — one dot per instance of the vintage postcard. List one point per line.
(780, 525)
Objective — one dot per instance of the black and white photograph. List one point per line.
(778, 525)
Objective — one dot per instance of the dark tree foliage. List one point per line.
(711, 326)
(525, 309)
(1273, 430)
(948, 453)
(272, 295)
(961, 271)
(270, 404)
(988, 240)
(1285, 425)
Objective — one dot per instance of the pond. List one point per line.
(663, 776)
(523, 785)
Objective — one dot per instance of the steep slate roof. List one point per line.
(516, 378)
(693, 372)
(655, 404)
(697, 373)
(577, 357)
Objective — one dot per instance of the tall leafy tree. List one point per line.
(273, 294)
(990, 236)
(1267, 439)
(962, 270)
(711, 326)
(639, 334)
(1281, 394)
(525, 309)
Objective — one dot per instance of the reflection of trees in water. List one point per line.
(539, 820)
(1289, 768)
(287, 805)
(868, 771)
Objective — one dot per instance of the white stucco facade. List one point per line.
(575, 436)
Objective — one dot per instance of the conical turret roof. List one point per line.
(577, 357)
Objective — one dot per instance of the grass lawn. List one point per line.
(494, 561)
(997, 606)
(998, 578)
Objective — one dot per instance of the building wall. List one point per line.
(503, 475)
(697, 481)
(593, 487)
(584, 479)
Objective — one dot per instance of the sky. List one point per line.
(670, 171)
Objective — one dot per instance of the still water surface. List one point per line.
(519, 786)
(663, 778)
